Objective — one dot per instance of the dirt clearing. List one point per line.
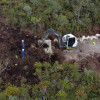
(87, 54)
(84, 49)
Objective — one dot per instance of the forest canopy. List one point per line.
(62, 15)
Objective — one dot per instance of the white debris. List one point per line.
(55, 40)
(16, 64)
(48, 50)
(93, 37)
(35, 37)
(97, 35)
(32, 46)
(40, 42)
(89, 37)
(81, 39)
(22, 40)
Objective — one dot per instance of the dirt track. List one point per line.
(84, 49)
(86, 54)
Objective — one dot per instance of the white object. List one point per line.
(22, 49)
(89, 37)
(66, 38)
(97, 35)
(55, 40)
(40, 42)
(22, 40)
(48, 50)
(93, 37)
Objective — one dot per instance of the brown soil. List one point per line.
(91, 62)
(13, 67)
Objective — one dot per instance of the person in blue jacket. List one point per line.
(23, 54)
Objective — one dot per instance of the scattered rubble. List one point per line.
(89, 37)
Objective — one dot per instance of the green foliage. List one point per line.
(65, 15)
(38, 64)
(56, 82)
(65, 83)
(80, 93)
(61, 95)
(46, 65)
(10, 90)
(28, 10)
(75, 74)
(12, 97)
(74, 66)
(62, 22)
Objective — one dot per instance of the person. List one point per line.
(23, 54)
(23, 44)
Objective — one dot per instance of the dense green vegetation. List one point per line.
(57, 82)
(62, 15)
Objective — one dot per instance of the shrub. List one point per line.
(57, 82)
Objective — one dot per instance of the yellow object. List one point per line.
(16, 56)
(94, 43)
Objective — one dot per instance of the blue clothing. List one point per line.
(23, 54)
(23, 45)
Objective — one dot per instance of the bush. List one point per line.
(65, 16)
(57, 82)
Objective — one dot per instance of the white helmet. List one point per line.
(22, 49)
(22, 40)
